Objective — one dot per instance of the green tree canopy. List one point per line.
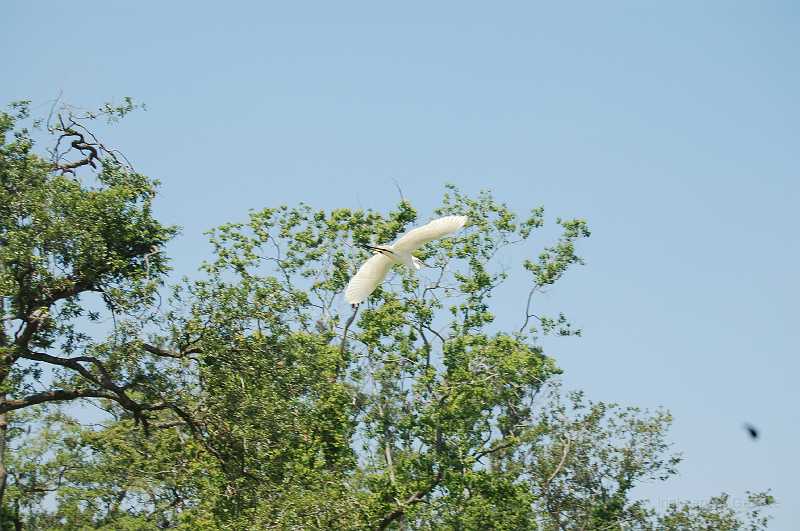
(253, 397)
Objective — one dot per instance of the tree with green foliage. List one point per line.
(69, 252)
(589, 457)
(253, 397)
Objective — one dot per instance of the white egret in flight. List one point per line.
(373, 271)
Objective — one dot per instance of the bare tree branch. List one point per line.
(564, 452)
(69, 363)
(528, 313)
(411, 500)
(53, 396)
(349, 322)
(158, 351)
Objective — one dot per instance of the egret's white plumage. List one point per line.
(368, 277)
(374, 270)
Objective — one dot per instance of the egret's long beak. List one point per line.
(377, 249)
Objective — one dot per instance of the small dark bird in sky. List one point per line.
(752, 431)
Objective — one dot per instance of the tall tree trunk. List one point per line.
(4, 360)
(3, 430)
(3, 471)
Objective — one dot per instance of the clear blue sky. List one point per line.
(672, 126)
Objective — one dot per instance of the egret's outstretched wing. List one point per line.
(414, 239)
(369, 275)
